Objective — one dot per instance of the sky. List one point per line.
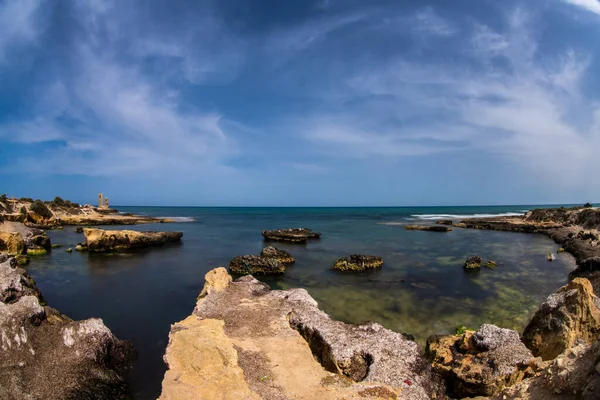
(301, 103)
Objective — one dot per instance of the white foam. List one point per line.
(433, 217)
(182, 219)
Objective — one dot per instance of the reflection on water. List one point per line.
(422, 288)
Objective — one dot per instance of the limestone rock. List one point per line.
(429, 228)
(292, 235)
(256, 265)
(480, 363)
(99, 240)
(45, 355)
(570, 314)
(357, 262)
(12, 243)
(473, 262)
(277, 254)
(245, 341)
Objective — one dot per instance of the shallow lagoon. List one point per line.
(422, 288)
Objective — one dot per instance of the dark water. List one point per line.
(422, 288)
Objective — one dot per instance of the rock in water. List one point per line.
(277, 254)
(429, 228)
(357, 262)
(99, 240)
(256, 265)
(245, 341)
(292, 235)
(569, 315)
(480, 363)
(445, 222)
(473, 262)
(46, 355)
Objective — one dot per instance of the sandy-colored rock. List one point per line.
(100, 240)
(357, 262)
(278, 254)
(245, 341)
(12, 243)
(569, 315)
(480, 363)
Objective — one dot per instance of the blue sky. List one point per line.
(327, 102)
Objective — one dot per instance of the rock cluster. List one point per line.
(46, 355)
(292, 235)
(429, 228)
(357, 262)
(99, 240)
(245, 341)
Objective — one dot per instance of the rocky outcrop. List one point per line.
(17, 239)
(473, 262)
(480, 363)
(245, 341)
(46, 355)
(292, 235)
(99, 240)
(429, 228)
(256, 265)
(277, 254)
(357, 262)
(12, 243)
(567, 316)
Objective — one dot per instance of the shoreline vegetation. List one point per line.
(231, 345)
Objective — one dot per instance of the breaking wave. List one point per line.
(433, 217)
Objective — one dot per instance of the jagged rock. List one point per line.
(277, 254)
(357, 262)
(292, 235)
(480, 363)
(570, 314)
(429, 228)
(444, 222)
(256, 265)
(12, 243)
(245, 341)
(37, 238)
(99, 240)
(45, 355)
(473, 262)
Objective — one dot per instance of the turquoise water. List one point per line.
(422, 288)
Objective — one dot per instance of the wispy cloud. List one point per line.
(428, 21)
(590, 5)
(18, 24)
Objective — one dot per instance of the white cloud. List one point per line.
(18, 23)
(428, 21)
(590, 5)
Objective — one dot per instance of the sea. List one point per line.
(422, 288)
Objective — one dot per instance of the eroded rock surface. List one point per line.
(245, 341)
(99, 240)
(292, 235)
(257, 265)
(480, 363)
(46, 355)
(569, 315)
(357, 262)
(278, 254)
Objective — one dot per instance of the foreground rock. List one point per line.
(429, 228)
(570, 315)
(277, 254)
(357, 262)
(292, 235)
(245, 341)
(17, 239)
(99, 240)
(46, 355)
(256, 265)
(480, 363)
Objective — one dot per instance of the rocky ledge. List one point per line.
(245, 341)
(429, 228)
(46, 355)
(21, 241)
(357, 262)
(99, 240)
(292, 235)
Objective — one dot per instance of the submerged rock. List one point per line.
(429, 228)
(292, 235)
(79, 229)
(256, 265)
(490, 264)
(480, 363)
(277, 254)
(46, 355)
(99, 240)
(249, 342)
(445, 222)
(357, 262)
(473, 262)
(569, 315)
